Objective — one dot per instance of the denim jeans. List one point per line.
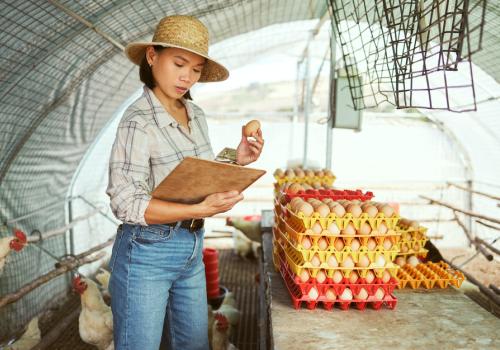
(157, 287)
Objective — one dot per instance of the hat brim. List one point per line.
(212, 70)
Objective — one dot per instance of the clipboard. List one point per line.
(193, 179)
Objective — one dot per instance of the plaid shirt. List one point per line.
(149, 144)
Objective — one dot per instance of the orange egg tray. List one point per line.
(307, 254)
(296, 264)
(429, 275)
(329, 193)
(303, 222)
(299, 293)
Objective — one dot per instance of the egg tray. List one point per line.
(305, 287)
(429, 275)
(294, 261)
(329, 193)
(306, 255)
(306, 222)
(412, 231)
(327, 180)
(414, 246)
(299, 298)
(296, 237)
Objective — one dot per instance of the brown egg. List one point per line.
(337, 209)
(355, 210)
(339, 244)
(387, 244)
(404, 248)
(414, 224)
(362, 295)
(322, 243)
(370, 276)
(330, 294)
(304, 276)
(306, 209)
(401, 261)
(349, 229)
(370, 210)
(371, 244)
(317, 185)
(380, 261)
(294, 188)
(382, 228)
(363, 261)
(279, 173)
(315, 261)
(333, 228)
(307, 186)
(313, 293)
(320, 173)
(353, 277)
(387, 210)
(386, 276)
(309, 173)
(365, 229)
(321, 276)
(379, 294)
(346, 295)
(328, 173)
(355, 245)
(323, 210)
(332, 261)
(299, 173)
(289, 174)
(416, 246)
(295, 201)
(337, 277)
(251, 128)
(306, 243)
(413, 260)
(348, 262)
(316, 228)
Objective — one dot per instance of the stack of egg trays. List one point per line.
(299, 259)
(429, 275)
(299, 291)
(414, 240)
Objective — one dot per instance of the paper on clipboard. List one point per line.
(194, 179)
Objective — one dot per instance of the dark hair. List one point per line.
(146, 73)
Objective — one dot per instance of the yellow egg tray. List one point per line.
(414, 246)
(422, 253)
(306, 222)
(412, 231)
(429, 275)
(296, 236)
(327, 180)
(306, 255)
(296, 265)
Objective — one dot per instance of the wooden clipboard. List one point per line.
(194, 179)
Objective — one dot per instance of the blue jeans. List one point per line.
(157, 287)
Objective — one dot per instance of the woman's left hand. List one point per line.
(248, 151)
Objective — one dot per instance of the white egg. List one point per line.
(349, 230)
(386, 276)
(332, 261)
(304, 276)
(337, 277)
(306, 243)
(333, 228)
(355, 245)
(413, 260)
(379, 294)
(387, 244)
(315, 261)
(382, 228)
(348, 262)
(316, 228)
(321, 276)
(380, 261)
(370, 276)
(363, 261)
(313, 293)
(362, 295)
(365, 229)
(353, 277)
(322, 243)
(346, 295)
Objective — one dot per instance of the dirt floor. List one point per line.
(486, 272)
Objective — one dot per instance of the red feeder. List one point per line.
(211, 261)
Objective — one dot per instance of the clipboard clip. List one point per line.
(227, 155)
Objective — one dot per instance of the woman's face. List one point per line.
(175, 70)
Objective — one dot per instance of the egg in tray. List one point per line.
(309, 178)
(336, 251)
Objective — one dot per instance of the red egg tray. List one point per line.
(299, 292)
(330, 193)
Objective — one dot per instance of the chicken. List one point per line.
(251, 229)
(243, 246)
(229, 310)
(220, 331)
(96, 320)
(7, 244)
(103, 278)
(29, 339)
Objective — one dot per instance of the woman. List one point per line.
(158, 278)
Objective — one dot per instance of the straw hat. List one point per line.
(183, 32)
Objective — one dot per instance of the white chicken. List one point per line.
(229, 310)
(96, 319)
(103, 278)
(7, 244)
(29, 339)
(220, 334)
(243, 246)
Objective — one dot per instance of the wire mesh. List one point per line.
(411, 53)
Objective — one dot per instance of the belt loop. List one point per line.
(191, 225)
(179, 223)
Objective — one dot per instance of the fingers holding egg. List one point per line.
(251, 129)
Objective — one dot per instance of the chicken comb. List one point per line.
(222, 322)
(19, 240)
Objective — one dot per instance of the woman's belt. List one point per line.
(191, 224)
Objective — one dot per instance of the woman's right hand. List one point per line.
(219, 203)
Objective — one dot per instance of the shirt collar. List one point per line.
(162, 117)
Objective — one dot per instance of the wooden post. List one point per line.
(475, 192)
